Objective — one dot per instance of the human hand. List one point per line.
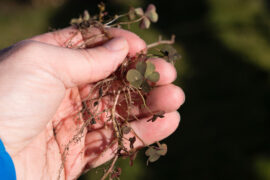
(41, 87)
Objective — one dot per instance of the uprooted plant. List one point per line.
(126, 88)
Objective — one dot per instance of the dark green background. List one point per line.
(224, 71)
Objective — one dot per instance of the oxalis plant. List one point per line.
(126, 88)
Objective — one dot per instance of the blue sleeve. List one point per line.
(7, 168)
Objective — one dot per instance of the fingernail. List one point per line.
(116, 44)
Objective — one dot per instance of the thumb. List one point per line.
(80, 66)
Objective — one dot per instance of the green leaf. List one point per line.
(150, 68)
(141, 67)
(154, 77)
(146, 87)
(139, 11)
(135, 78)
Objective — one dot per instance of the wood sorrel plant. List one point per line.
(127, 87)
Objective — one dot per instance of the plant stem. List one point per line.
(128, 22)
(160, 41)
(115, 126)
(110, 169)
(117, 133)
(118, 17)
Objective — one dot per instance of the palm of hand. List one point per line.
(45, 120)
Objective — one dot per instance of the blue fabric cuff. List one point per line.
(7, 168)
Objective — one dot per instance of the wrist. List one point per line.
(7, 167)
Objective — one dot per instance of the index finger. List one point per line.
(70, 34)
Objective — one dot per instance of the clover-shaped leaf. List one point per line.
(162, 149)
(151, 153)
(154, 77)
(151, 13)
(150, 72)
(170, 53)
(144, 71)
(139, 11)
(141, 67)
(150, 68)
(134, 77)
(145, 23)
(154, 152)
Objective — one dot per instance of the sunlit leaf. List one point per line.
(150, 68)
(86, 15)
(145, 23)
(151, 13)
(139, 11)
(153, 16)
(76, 21)
(151, 8)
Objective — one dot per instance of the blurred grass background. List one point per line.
(225, 46)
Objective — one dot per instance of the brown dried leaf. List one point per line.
(126, 129)
(153, 158)
(131, 142)
(162, 150)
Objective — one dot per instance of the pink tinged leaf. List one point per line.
(151, 13)
(145, 23)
